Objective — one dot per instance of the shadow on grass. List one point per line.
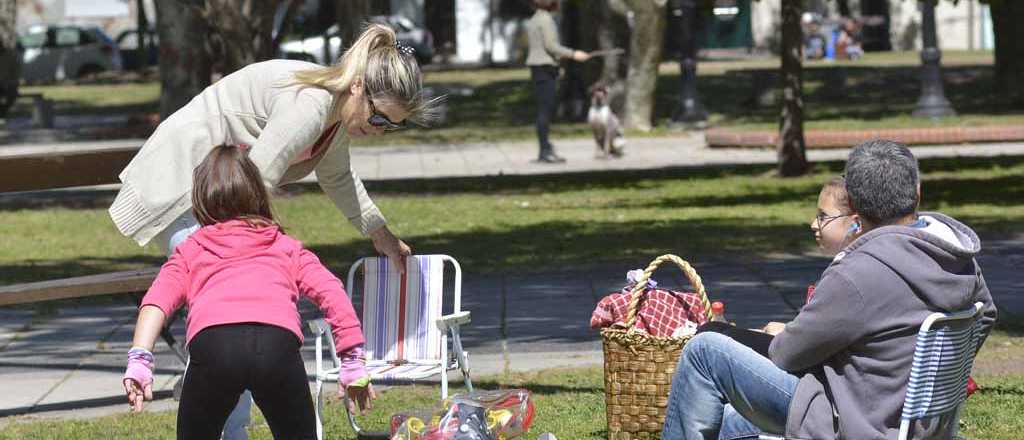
(943, 189)
(1010, 322)
(36, 270)
(868, 93)
(535, 388)
(1001, 391)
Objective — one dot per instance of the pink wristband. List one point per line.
(353, 366)
(140, 366)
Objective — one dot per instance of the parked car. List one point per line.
(54, 52)
(132, 57)
(10, 76)
(311, 48)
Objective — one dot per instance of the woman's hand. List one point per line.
(386, 243)
(361, 396)
(580, 56)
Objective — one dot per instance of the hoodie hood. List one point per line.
(235, 238)
(935, 260)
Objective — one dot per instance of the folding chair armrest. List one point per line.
(447, 322)
(318, 327)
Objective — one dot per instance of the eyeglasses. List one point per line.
(377, 119)
(823, 220)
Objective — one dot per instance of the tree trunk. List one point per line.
(876, 38)
(351, 16)
(1007, 16)
(844, 8)
(184, 62)
(648, 31)
(791, 149)
(572, 93)
(8, 24)
(242, 32)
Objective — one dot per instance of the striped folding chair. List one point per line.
(943, 358)
(406, 335)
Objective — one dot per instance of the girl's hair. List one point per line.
(389, 74)
(836, 188)
(227, 186)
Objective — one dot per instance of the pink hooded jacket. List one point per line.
(231, 273)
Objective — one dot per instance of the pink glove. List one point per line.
(138, 377)
(354, 381)
(353, 367)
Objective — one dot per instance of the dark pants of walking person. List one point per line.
(545, 82)
(228, 359)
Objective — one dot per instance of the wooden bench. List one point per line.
(47, 167)
(130, 281)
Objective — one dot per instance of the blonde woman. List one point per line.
(295, 118)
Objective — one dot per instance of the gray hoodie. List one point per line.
(857, 333)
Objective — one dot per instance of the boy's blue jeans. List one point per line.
(724, 390)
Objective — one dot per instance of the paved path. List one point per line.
(67, 363)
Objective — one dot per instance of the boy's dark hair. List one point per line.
(227, 186)
(882, 181)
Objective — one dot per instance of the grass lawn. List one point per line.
(517, 223)
(880, 92)
(569, 403)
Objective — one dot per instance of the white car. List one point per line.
(55, 53)
(312, 48)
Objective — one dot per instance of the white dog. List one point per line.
(607, 129)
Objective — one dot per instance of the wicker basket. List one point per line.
(638, 367)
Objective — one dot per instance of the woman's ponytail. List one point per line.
(389, 73)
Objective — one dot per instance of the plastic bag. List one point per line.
(479, 415)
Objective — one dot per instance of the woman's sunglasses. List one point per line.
(377, 119)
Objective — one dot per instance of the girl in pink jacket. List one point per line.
(241, 278)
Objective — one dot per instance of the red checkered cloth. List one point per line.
(660, 312)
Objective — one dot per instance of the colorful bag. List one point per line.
(477, 415)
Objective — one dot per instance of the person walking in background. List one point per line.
(542, 58)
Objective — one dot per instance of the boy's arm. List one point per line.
(829, 323)
(326, 291)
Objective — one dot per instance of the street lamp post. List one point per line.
(933, 102)
(690, 110)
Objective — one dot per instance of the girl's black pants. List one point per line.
(228, 359)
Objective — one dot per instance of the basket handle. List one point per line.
(641, 286)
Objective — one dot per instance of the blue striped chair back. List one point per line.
(943, 357)
(400, 310)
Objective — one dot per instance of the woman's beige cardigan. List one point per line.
(256, 106)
